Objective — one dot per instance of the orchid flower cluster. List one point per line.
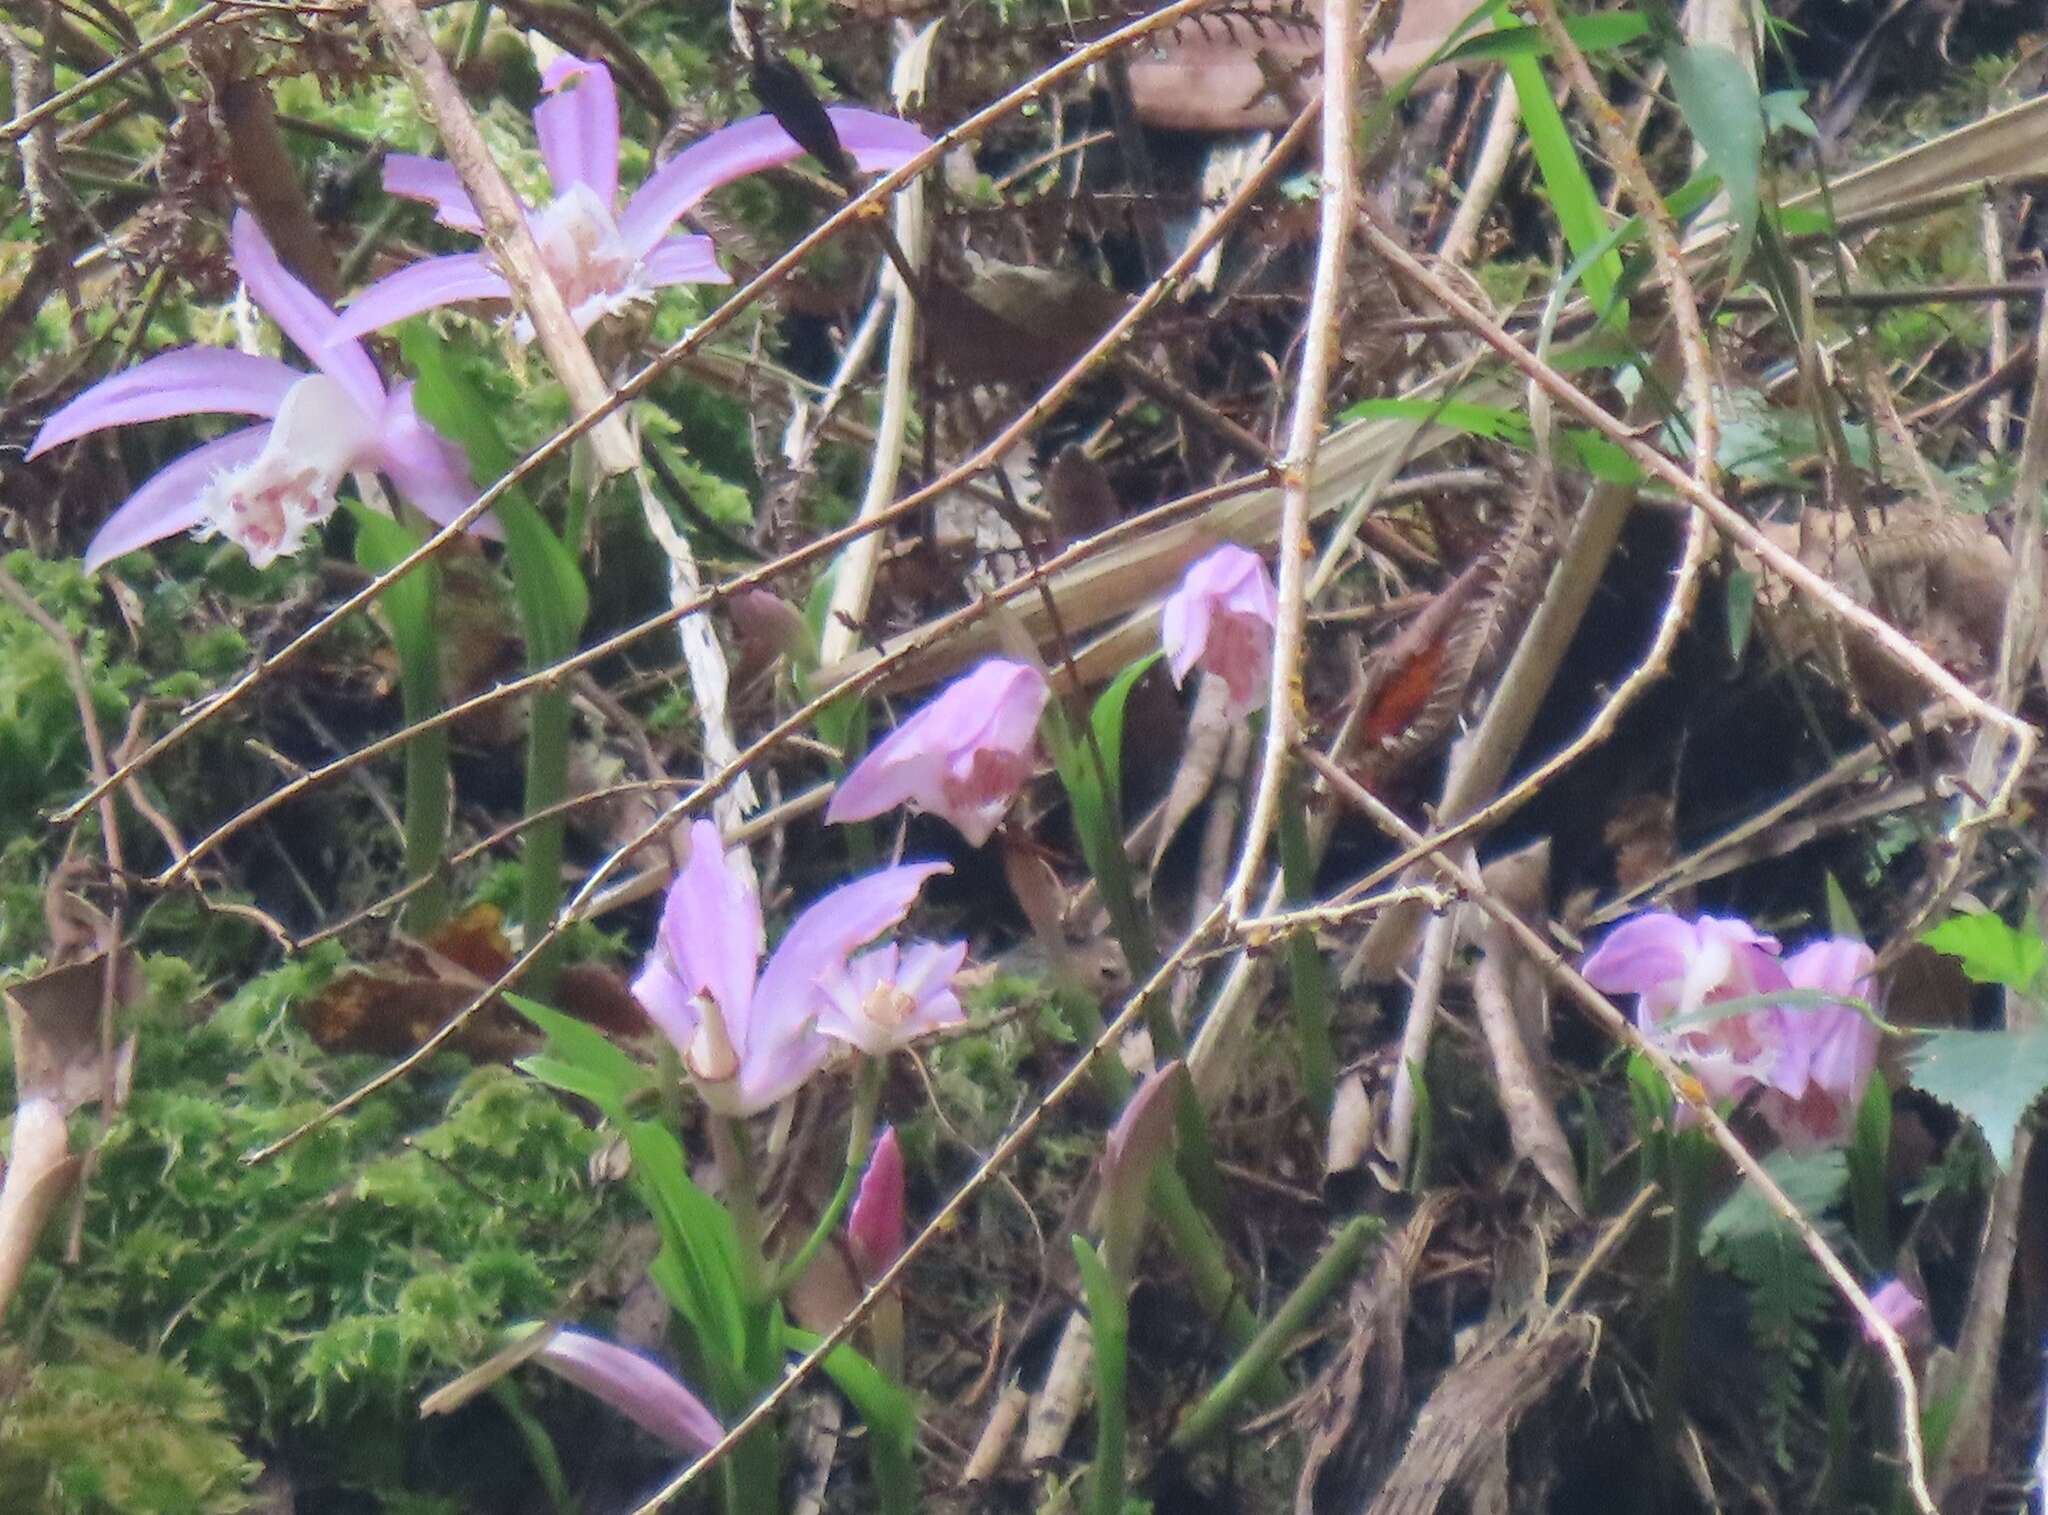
(967, 752)
(1804, 1041)
(266, 486)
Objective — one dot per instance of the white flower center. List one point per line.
(267, 506)
(589, 261)
(886, 1006)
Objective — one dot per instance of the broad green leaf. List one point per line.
(697, 1231)
(1992, 1077)
(1604, 460)
(553, 600)
(1579, 212)
(1718, 98)
(1991, 951)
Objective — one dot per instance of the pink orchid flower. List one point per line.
(885, 999)
(265, 486)
(1675, 968)
(603, 256)
(638, 1387)
(1826, 1052)
(1904, 1311)
(874, 1227)
(963, 756)
(1221, 620)
(747, 1031)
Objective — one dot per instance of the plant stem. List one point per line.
(1110, 1320)
(735, 1154)
(1308, 974)
(1258, 1359)
(547, 783)
(1685, 1172)
(547, 1465)
(867, 1091)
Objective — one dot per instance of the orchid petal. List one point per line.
(825, 935)
(185, 381)
(434, 181)
(429, 470)
(173, 500)
(875, 142)
(711, 927)
(769, 1075)
(669, 1002)
(425, 285)
(639, 1388)
(302, 315)
(578, 127)
(683, 260)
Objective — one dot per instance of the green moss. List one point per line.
(320, 1293)
(103, 1429)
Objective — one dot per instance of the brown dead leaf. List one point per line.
(1357, 1399)
(1462, 1429)
(390, 1008)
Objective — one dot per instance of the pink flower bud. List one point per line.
(874, 1228)
(1221, 620)
(963, 756)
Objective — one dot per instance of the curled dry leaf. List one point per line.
(1351, 1127)
(1509, 996)
(1209, 731)
(54, 1019)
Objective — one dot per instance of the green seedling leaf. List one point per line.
(1718, 98)
(1992, 1077)
(1991, 951)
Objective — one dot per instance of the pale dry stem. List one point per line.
(1339, 186)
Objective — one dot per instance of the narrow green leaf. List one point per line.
(1494, 422)
(1594, 34)
(1718, 97)
(1107, 721)
(1841, 914)
(1579, 212)
(581, 1060)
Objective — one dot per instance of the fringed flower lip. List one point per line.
(603, 255)
(265, 486)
